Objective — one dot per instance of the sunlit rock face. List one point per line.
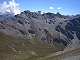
(10, 7)
(48, 27)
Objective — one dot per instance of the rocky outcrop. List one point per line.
(48, 27)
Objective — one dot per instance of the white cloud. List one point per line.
(51, 7)
(43, 9)
(10, 7)
(59, 8)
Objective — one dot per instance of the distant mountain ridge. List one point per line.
(48, 27)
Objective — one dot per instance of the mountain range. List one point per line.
(42, 30)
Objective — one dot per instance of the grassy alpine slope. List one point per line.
(23, 49)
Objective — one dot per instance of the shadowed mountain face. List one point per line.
(50, 28)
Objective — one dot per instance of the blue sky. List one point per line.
(67, 7)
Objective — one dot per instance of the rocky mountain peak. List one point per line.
(48, 27)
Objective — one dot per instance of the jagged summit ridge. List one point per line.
(47, 27)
